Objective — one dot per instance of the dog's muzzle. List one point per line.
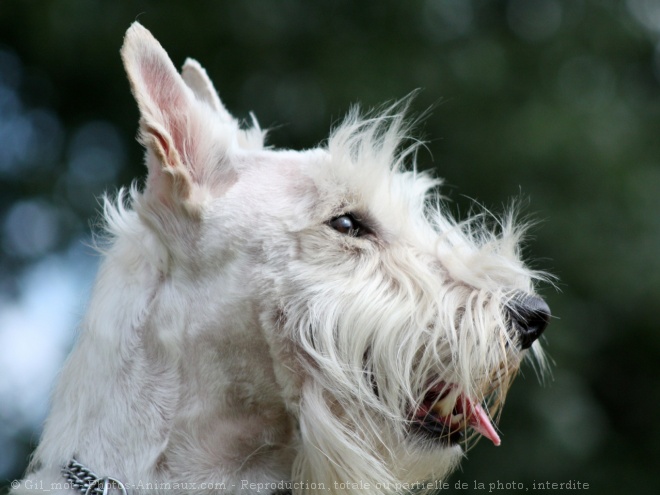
(446, 413)
(530, 315)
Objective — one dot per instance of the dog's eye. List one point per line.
(348, 224)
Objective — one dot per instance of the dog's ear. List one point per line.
(195, 76)
(173, 121)
(185, 127)
(197, 79)
(164, 101)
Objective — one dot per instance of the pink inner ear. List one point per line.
(169, 105)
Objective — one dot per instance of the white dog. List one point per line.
(271, 320)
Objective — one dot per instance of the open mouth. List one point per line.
(446, 414)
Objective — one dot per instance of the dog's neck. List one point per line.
(154, 391)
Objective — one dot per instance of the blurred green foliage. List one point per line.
(553, 102)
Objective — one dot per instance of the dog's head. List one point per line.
(410, 325)
(395, 331)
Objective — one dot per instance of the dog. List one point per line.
(276, 321)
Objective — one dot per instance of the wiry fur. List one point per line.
(234, 335)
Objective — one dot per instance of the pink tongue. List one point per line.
(479, 420)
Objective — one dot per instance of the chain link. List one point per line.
(89, 483)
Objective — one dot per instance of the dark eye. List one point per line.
(347, 224)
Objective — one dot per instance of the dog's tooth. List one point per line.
(457, 418)
(438, 409)
(445, 406)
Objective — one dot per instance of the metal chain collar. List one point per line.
(89, 483)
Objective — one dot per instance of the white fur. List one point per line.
(233, 336)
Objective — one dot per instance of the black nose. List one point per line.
(530, 315)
